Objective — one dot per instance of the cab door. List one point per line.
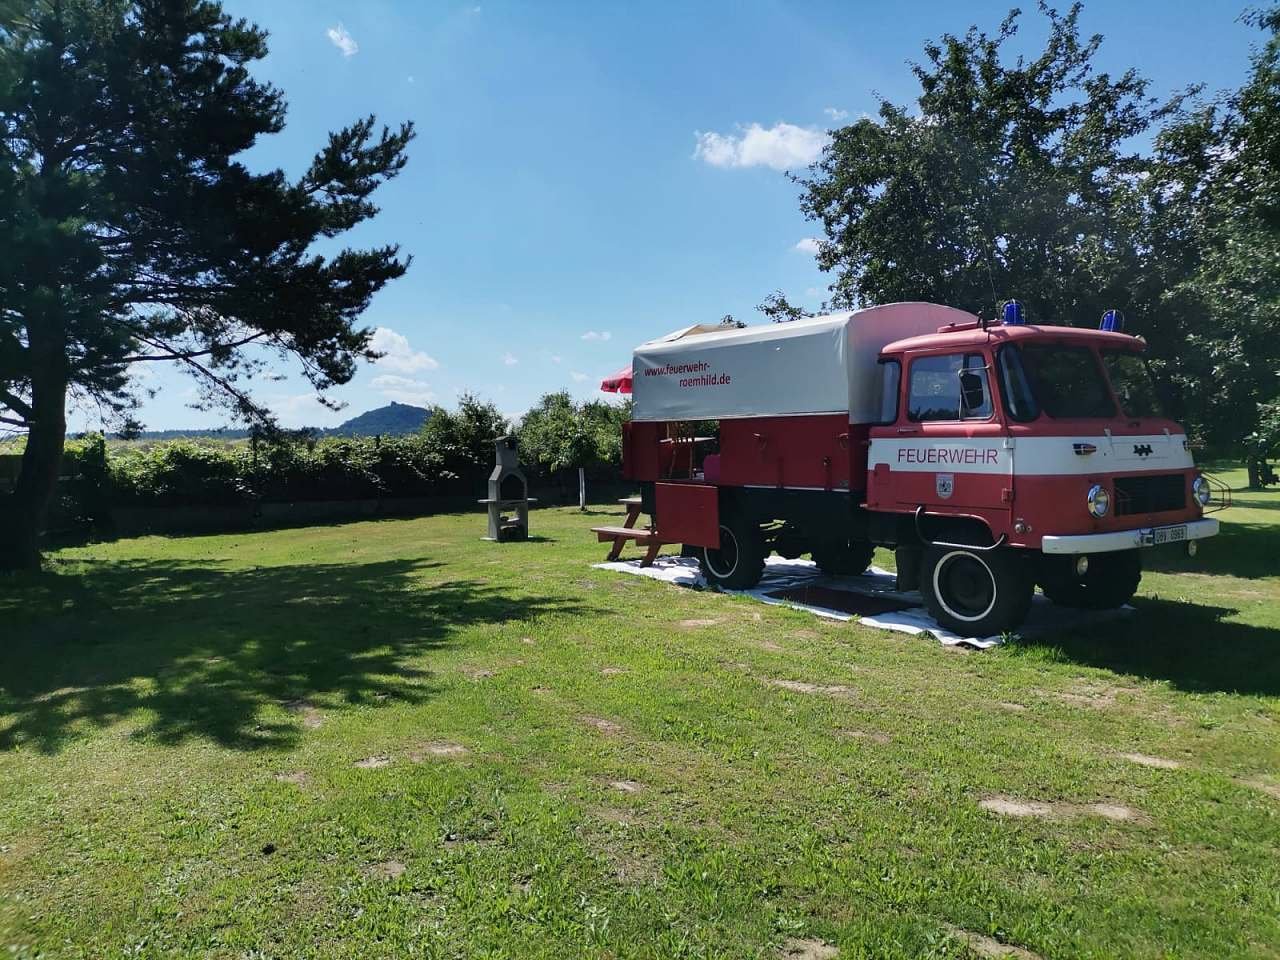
(949, 450)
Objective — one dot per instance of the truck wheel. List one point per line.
(739, 560)
(843, 558)
(1110, 582)
(976, 593)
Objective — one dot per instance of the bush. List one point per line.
(452, 455)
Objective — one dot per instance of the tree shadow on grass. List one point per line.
(1190, 645)
(190, 649)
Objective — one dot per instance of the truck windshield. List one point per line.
(1062, 382)
(1132, 382)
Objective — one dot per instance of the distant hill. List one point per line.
(389, 421)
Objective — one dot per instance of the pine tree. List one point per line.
(131, 232)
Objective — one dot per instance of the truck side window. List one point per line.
(939, 386)
(890, 380)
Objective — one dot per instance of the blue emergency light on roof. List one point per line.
(1112, 320)
(1013, 314)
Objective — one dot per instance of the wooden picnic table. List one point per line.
(646, 537)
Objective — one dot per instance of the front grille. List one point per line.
(1151, 494)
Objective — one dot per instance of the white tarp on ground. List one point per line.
(782, 574)
(815, 365)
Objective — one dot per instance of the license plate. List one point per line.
(1169, 534)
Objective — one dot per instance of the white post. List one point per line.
(582, 489)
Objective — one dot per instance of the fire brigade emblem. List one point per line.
(1142, 449)
(945, 484)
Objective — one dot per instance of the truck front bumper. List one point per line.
(1130, 539)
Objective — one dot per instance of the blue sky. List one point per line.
(587, 176)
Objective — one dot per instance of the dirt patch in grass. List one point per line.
(473, 673)
(1091, 695)
(1145, 760)
(435, 749)
(528, 641)
(386, 870)
(613, 671)
(607, 727)
(621, 818)
(626, 786)
(695, 624)
(869, 736)
(807, 949)
(985, 946)
(824, 689)
(770, 646)
(1010, 807)
(1012, 707)
(299, 778)
(373, 763)
(308, 713)
(1257, 783)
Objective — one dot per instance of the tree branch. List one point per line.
(16, 423)
(16, 404)
(189, 354)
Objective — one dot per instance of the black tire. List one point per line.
(1110, 582)
(976, 593)
(739, 560)
(843, 558)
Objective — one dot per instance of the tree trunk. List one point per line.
(22, 513)
(1255, 473)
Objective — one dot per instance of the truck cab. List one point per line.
(1047, 441)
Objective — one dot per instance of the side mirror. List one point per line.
(973, 395)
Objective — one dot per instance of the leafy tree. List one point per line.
(1008, 179)
(133, 234)
(1215, 202)
(462, 439)
(558, 435)
(779, 309)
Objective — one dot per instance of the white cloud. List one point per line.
(780, 147)
(339, 37)
(399, 356)
(601, 335)
(391, 381)
(835, 113)
(579, 377)
(509, 359)
(810, 245)
(556, 358)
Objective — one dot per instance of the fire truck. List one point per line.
(992, 457)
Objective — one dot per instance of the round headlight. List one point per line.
(1200, 488)
(1099, 500)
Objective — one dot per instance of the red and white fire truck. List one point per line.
(991, 456)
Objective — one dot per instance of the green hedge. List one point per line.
(193, 473)
(451, 456)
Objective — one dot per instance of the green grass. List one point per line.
(154, 692)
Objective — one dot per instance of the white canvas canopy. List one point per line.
(817, 365)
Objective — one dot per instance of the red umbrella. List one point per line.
(619, 382)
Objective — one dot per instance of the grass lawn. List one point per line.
(391, 739)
